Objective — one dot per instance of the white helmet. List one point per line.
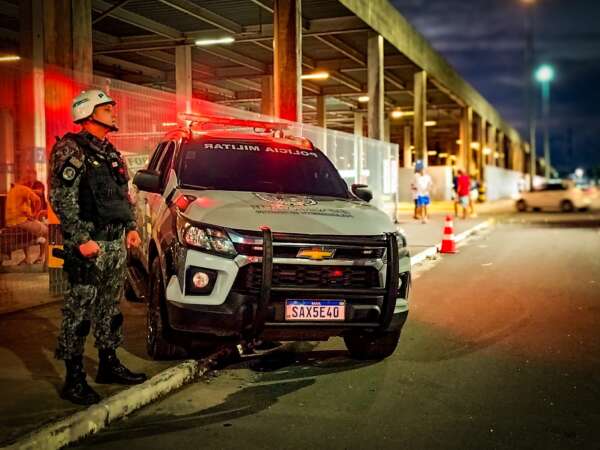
(84, 104)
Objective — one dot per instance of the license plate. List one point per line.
(315, 310)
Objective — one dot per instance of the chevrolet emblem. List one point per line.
(316, 253)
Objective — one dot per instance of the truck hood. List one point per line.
(287, 213)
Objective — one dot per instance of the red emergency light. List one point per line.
(198, 120)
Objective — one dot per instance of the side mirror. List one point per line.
(363, 192)
(147, 180)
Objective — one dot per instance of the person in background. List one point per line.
(413, 191)
(423, 184)
(474, 194)
(23, 206)
(38, 187)
(463, 190)
(455, 194)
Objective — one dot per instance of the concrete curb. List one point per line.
(434, 249)
(93, 419)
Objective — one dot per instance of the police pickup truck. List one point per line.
(254, 235)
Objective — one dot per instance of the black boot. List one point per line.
(110, 370)
(76, 389)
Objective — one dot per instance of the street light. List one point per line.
(529, 97)
(544, 75)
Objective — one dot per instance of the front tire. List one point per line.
(521, 205)
(567, 206)
(159, 336)
(372, 346)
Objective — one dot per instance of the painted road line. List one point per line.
(434, 249)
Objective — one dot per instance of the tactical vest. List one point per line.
(103, 189)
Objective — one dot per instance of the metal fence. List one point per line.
(146, 114)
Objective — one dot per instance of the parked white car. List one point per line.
(555, 195)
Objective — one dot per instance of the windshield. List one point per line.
(259, 167)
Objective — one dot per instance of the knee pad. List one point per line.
(116, 322)
(83, 328)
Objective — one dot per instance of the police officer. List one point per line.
(89, 193)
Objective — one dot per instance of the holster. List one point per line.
(79, 269)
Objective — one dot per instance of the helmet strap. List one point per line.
(110, 127)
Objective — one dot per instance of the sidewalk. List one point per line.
(30, 377)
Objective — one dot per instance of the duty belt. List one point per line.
(108, 233)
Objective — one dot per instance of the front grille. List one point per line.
(309, 276)
(289, 251)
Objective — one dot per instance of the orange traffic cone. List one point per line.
(448, 243)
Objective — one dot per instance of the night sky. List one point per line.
(485, 39)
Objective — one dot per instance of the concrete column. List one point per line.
(420, 116)
(481, 136)
(499, 162)
(322, 122)
(82, 41)
(31, 122)
(491, 144)
(407, 152)
(375, 85)
(7, 150)
(466, 127)
(287, 61)
(321, 112)
(358, 132)
(266, 99)
(386, 130)
(183, 78)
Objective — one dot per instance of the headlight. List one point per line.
(400, 239)
(205, 237)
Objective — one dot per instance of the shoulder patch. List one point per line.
(68, 173)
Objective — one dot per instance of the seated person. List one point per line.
(23, 207)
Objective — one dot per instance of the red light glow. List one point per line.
(336, 273)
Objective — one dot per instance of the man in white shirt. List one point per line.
(423, 184)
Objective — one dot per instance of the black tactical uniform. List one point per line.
(89, 193)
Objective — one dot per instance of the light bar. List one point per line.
(431, 152)
(315, 76)
(217, 41)
(363, 99)
(200, 120)
(430, 123)
(9, 58)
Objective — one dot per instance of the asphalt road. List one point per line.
(501, 351)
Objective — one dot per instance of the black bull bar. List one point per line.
(389, 292)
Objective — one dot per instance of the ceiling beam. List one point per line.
(110, 10)
(10, 34)
(262, 5)
(205, 15)
(345, 49)
(169, 58)
(234, 57)
(212, 89)
(9, 9)
(104, 38)
(137, 20)
(116, 63)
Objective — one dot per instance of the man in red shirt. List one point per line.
(463, 189)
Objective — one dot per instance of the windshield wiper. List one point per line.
(197, 187)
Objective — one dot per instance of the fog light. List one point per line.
(200, 280)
